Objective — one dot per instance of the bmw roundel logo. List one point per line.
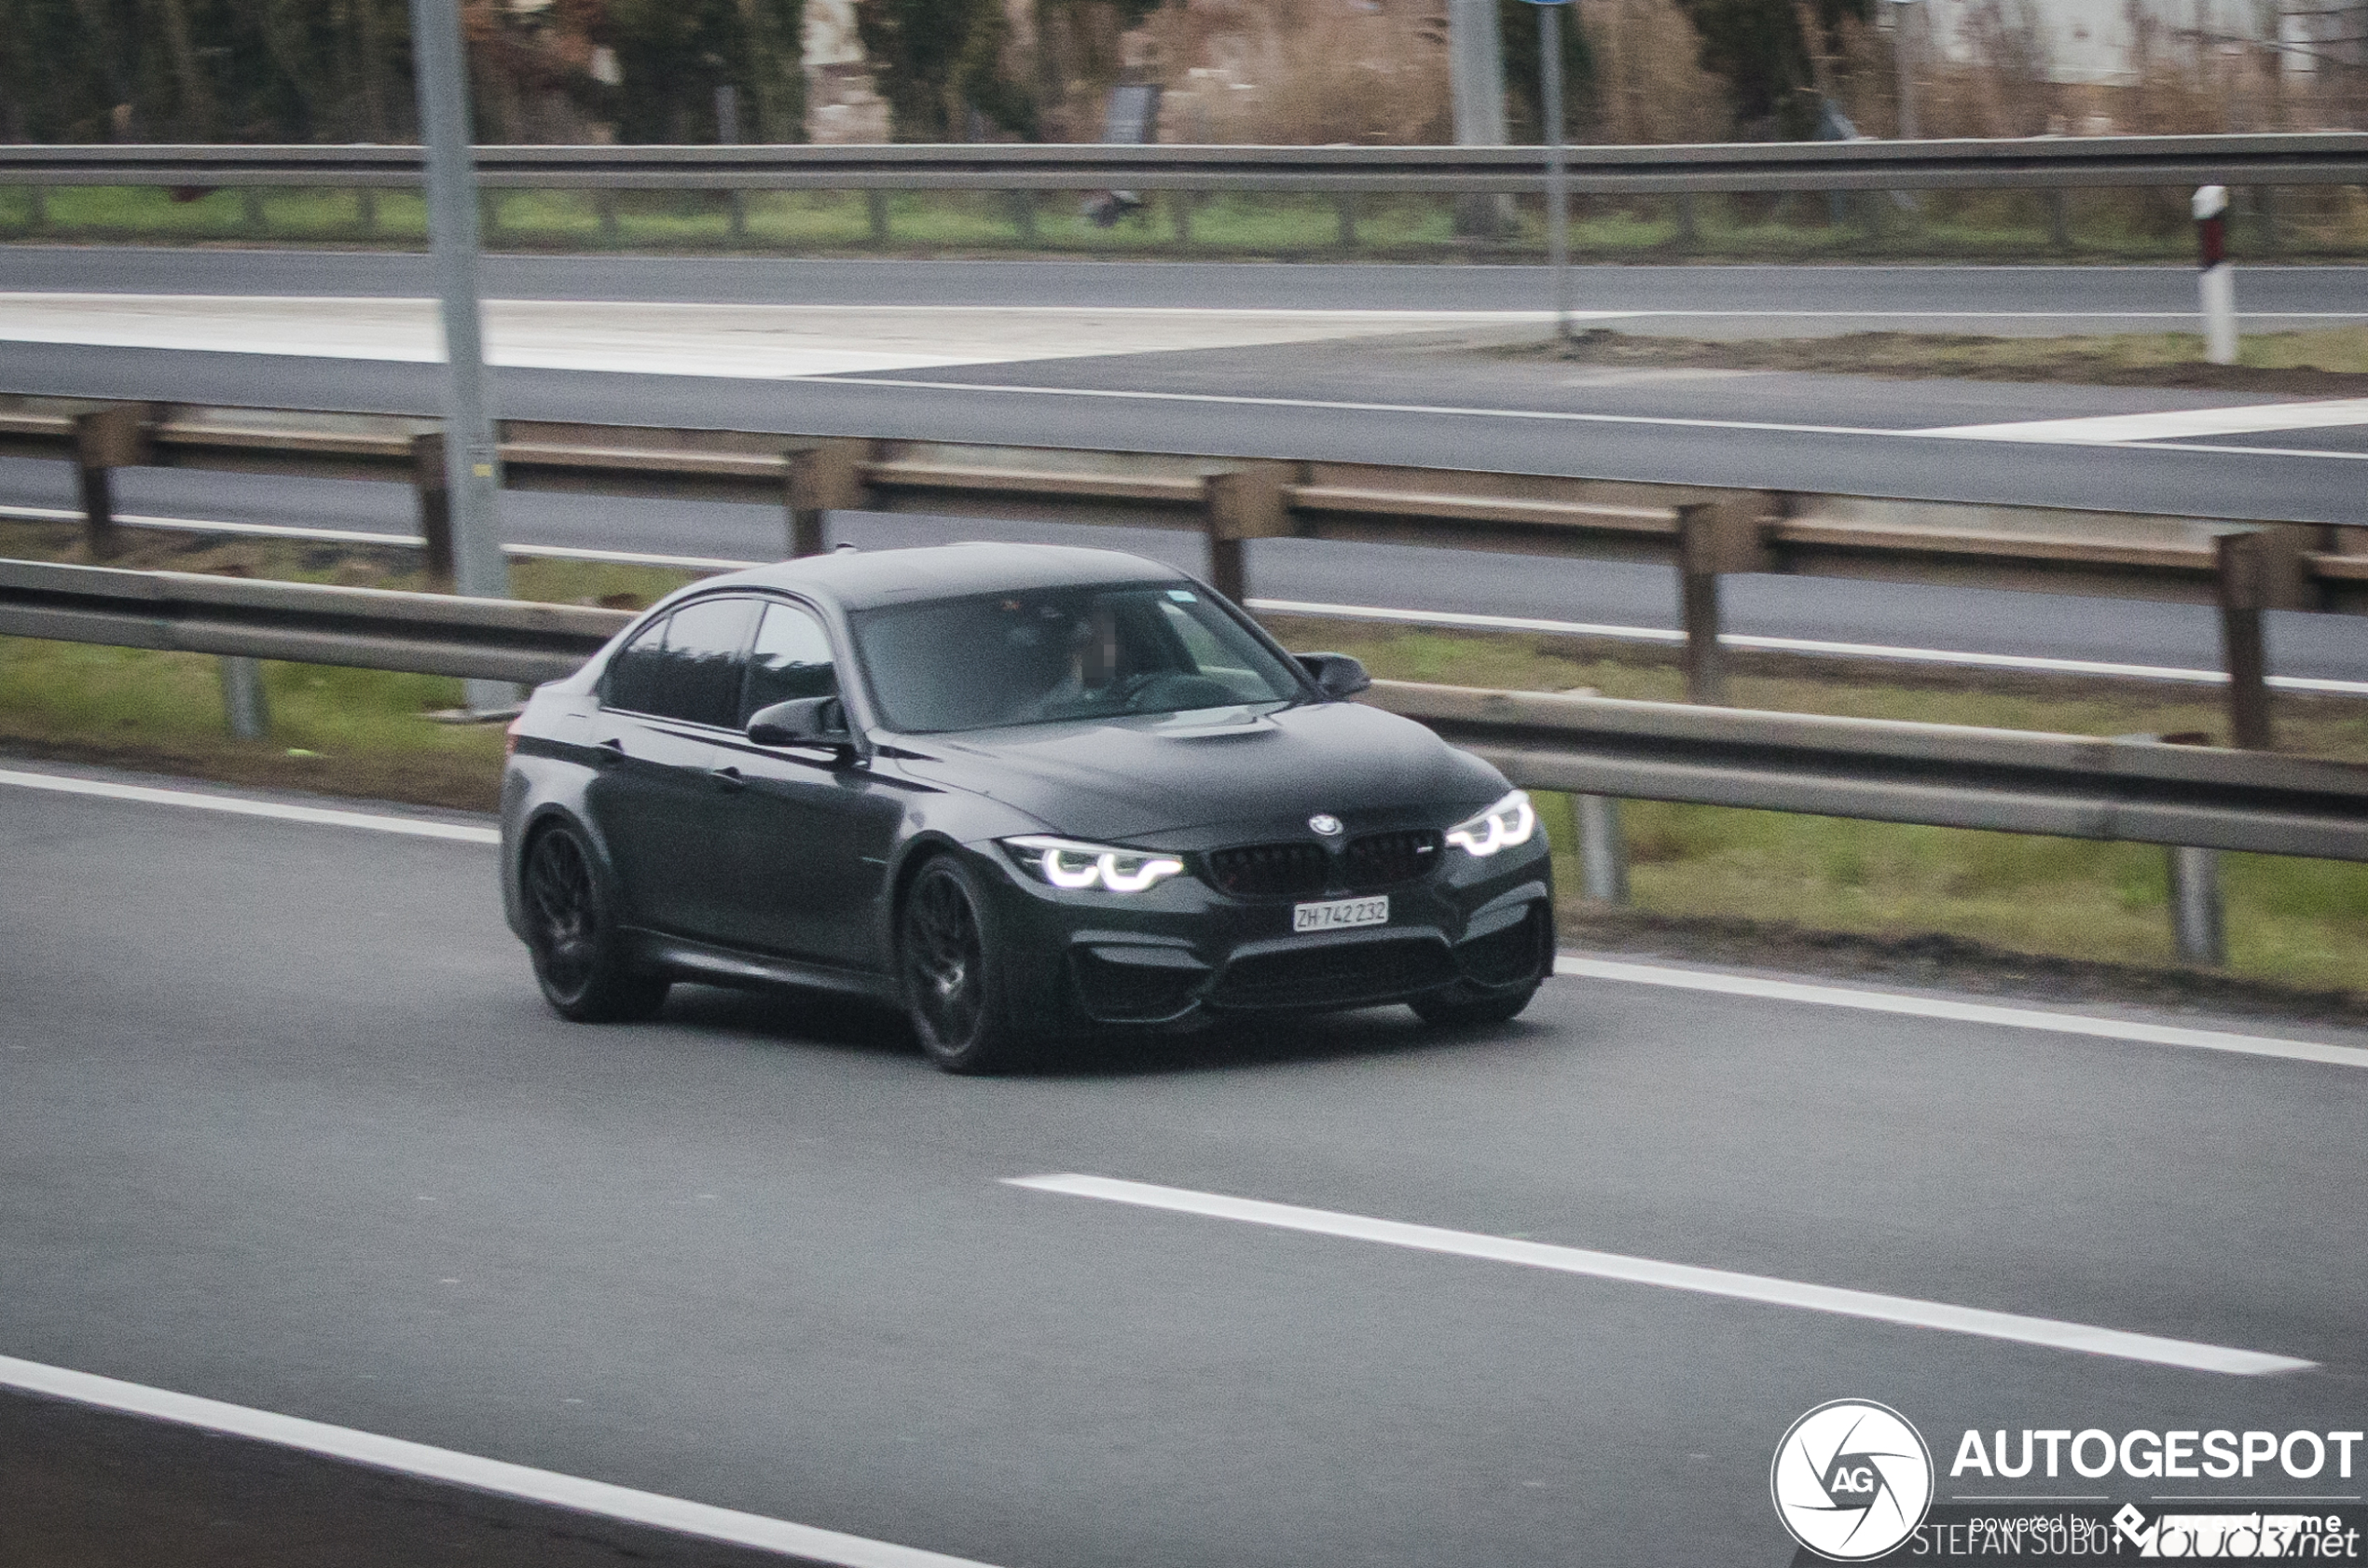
(1852, 1479)
(1325, 823)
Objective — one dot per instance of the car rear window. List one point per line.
(688, 667)
(1052, 654)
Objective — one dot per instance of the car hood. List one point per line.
(1154, 779)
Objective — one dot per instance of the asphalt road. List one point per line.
(283, 1122)
(1608, 593)
(1389, 402)
(2100, 295)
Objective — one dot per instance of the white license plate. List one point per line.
(1339, 914)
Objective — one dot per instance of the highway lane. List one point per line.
(1693, 444)
(331, 1158)
(1611, 594)
(2086, 298)
(1384, 401)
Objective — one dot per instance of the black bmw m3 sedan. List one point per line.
(1022, 792)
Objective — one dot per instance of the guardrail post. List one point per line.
(104, 440)
(1713, 538)
(876, 208)
(825, 476)
(2264, 570)
(1024, 215)
(251, 209)
(2199, 921)
(1179, 206)
(1602, 848)
(1689, 231)
(36, 214)
(1245, 504)
(604, 207)
(243, 705)
(1346, 201)
(366, 210)
(429, 485)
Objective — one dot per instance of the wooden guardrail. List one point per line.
(2244, 566)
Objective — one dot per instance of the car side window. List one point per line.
(792, 659)
(632, 680)
(705, 642)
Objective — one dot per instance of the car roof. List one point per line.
(863, 578)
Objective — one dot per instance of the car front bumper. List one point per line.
(1184, 953)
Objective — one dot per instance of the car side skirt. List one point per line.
(719, 966)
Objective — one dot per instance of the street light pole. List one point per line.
(472, 461)
(1903, 65)
(1558, 195)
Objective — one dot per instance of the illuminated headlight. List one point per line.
(1509, 822)
(1066, 863)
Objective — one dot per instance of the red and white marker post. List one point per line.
(2217, 282)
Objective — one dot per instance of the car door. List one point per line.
(808, 829)
(667, 697)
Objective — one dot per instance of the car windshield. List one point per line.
(1063, 653)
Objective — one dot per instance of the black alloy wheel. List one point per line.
(574, 939)
(951, 987)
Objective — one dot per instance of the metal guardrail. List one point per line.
(2131, 790)
(1881, 770)
(2280, 158)
(306, 623)
(2244, 566)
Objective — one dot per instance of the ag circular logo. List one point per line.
(1852, 1479)
(1325, 823)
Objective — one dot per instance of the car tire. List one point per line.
(1464, 1003)
(953, 981)
(579, 956)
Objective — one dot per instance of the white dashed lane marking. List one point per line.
(2047, 1332)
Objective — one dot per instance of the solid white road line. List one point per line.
(1792, 645)
(1989, 1014)
(193, 525)
(651, 1508)
(1547, 415)
(2243, 418)
(390, 541)
(2047, 1332)
(197, 800)
(762, 341)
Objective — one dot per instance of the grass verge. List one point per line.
(1985, 226)
(343, 732)
(2331, 362)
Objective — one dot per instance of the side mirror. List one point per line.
(804, 721)
(1336, 675)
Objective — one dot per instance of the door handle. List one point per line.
(729, 778)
